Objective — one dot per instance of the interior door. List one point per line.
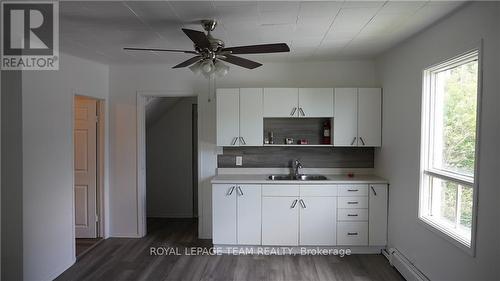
(315, 102)
(281, 102)
(318, 221)
(280, 221)
(228, 117)
(224, 213)
(251, 120)
(370, 117)
(345, 128)
(249, 214)
(85, 165)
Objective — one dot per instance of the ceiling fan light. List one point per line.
(196, 68)
(207, 66)
(221, 69)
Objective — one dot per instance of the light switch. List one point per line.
(239, 160)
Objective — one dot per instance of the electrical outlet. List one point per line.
(239, 160)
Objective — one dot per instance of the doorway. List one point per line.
(88, 143)
(171, 158)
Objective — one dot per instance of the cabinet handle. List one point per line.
(231, 190)
(302, 111)
(302, 203)
(293, 204)
(373, 189)
(353, 140)
(242, 140)
(352, 202)
(362, 141)
(352, 190)
(352, 233)
(352, 215)
(293, 111)
(234, 140)
(240, 191)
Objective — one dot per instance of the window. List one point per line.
(449, 138)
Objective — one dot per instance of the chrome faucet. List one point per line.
(296, 166)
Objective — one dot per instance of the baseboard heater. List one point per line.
(404, 266)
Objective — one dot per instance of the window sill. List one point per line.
(453, 238)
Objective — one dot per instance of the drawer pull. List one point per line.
(352, 202)
(352, 215)
(353, 190)
(352, 233)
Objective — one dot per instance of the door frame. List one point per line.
(142, 97)
(101, 150)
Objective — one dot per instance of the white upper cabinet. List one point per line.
(345, 128)
(228, 117)
(378, 215)
(239, 117)
(369, 117)
(358, 117)
(281, 102)
(315, 102)
(251, 118)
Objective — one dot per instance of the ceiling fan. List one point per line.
(210, 51)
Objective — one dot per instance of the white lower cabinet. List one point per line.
(352, 233)
(280, 221)
(236, 217)
(378, 214)
(318, 221)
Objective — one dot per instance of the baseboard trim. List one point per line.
(60, 270)
(405, 267)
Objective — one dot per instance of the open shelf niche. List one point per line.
(310, 129)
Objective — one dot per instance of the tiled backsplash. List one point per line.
(310, 157)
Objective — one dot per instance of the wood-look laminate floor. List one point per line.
(85, 244)
(130, 259)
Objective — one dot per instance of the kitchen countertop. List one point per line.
(263, 179)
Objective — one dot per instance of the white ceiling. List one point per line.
(322, 30)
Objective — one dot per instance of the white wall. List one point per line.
(126, 80)
(48, 217)
(398, 160)
(169, 180)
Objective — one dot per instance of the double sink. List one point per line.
(300, 177)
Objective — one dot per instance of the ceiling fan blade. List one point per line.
(188, 62)
(160, 50)
(241, 61)
(199, 38)
(259, 49)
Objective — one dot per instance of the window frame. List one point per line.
(427, 171)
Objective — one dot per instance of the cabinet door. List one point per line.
(281, 102)
(370, 117)
(251, 118)
(315, 102)
(249, 214)
(280, 221)
(377, 215)
(345, 128)
(228, 117)
(318, 221)
(224, 214)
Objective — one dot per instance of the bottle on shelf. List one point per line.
(326, 136)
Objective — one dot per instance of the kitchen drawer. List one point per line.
(352, 233)
(280, 190)
(357, 202)
(353, 190)
(352, 215)
(318, 190)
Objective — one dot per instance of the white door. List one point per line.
(281, 102)
(315, 102)
(377, 215)
(85, 165)
(249, 214)
(228, 117)
(345, 128)
(224, 213)
(251, 118)
(318, 221)
(370, 117)
(280, 221)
